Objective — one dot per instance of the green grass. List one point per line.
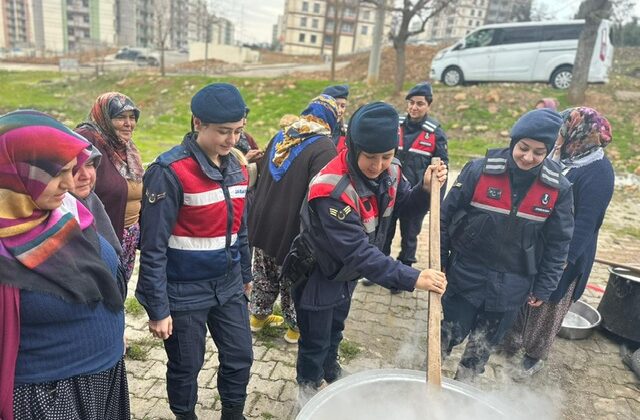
(165, 114)
(132, 307)
(349, 350)
(267, 416)
(136, 352)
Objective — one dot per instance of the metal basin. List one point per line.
(580, 321)
(390, 394)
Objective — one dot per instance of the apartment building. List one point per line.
(222, 31)
(456, 21)
(17, 29)
(309, 26)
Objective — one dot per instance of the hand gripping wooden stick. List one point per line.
(434, 362)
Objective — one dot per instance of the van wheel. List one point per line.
(452, 76)
(561, 77)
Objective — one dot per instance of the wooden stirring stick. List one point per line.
(434, 362)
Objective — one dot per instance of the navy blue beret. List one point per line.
(218, 103)
(421, 89)
(373, 128)
(337, 91)
(540, 124)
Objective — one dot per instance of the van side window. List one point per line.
(561, 32)
(519, 35)
(480, 38)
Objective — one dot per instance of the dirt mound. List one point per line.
(417, 65)
(272, 57)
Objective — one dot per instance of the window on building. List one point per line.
(329, 26)
(473, 12)
(303, 22)
(364, 29)
(316, 7)
(328, 40)
(301, 37)
(314, 23)
(479, 13)
(470, 22)
(478, 23)
(331, 11)
(349, 12)
(313, 39)
(434, 33)
(347, 27)
(305, 6)
(366, 15)
(450, 20)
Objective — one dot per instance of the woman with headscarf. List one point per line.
(505, 229)
(345, 220)
(84, 180)
(110, 126)
(295, 155)
(57, 284)
(550, 103)
(580, 152)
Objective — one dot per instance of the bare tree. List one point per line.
(592, 11)
(404, 12)
(338, 15)
(162, 17)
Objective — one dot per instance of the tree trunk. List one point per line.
(162, 69)
(400, 63)
(593, 11)
(376, 49)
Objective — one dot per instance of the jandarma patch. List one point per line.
(544, 210)
(340, 214)
(153, 197)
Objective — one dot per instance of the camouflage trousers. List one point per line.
(266, 289)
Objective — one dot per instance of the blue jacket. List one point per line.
(413, 162)
(592, 192)
(173, 278)
(495, 254)
(339, 236)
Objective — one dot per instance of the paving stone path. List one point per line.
(582, 379)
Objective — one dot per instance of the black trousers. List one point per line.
(410, 228)
(229, 327)
(484, 328)
(320, 337)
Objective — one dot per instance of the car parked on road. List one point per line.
(522, 52)
(141, 56)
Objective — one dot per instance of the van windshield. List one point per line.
(480, 38)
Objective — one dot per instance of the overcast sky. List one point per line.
(254, 19)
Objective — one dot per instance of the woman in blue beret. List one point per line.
(580, 152)
(345, 219)
(506, 225)
(195, 264)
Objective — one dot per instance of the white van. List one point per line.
(522, 52)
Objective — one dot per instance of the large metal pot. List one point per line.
(390, 394)
(620, 304)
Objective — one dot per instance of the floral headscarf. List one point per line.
(583, 131)
(318, 119)
(122, 153)
(46, 251)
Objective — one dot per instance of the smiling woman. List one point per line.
(110, 126)
(57, 284)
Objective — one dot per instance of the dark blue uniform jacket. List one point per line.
(157, 290)
(345, 242)
(495, 259)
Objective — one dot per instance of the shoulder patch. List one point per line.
(340, 214)
(155, 197)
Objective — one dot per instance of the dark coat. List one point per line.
(345, 241)
(413, 164)
(160, 288)
(274, 215)
(592, 192)
(494, 259)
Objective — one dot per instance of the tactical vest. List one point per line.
(416, 157)
(501, 235)
(208, 222)
(334, 181)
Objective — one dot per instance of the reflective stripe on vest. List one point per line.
(424, 144)
(203, 218)
(324, 183)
